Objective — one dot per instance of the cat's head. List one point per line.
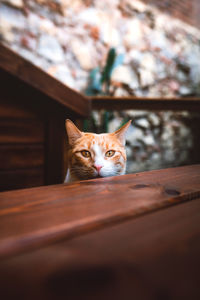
(96, 155)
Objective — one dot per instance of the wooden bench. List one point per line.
(128, 237)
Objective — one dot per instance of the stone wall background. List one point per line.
(159, 140)
(70, 38)
(186, 10)
(160, 58)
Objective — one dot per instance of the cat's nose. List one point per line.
(98, 167)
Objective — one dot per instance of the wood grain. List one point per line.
(152, 257)
(21, 68)
(12, 106)
(20, 178)
(21, 131)
(33, 109)
(54, 145)
(35, 217)
(21, 156)
(119, 103)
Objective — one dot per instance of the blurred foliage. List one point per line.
(99, 84)
(100, 79)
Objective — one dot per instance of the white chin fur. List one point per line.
(108, 172)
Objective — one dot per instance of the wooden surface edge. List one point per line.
(23, 69)
(21, 243)
(144, 103)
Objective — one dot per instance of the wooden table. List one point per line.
(129, 237)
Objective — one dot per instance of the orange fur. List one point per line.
(97, 164)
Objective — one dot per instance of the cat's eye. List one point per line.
(110, 153)
(85, 153)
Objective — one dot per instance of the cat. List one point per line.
(93, 155)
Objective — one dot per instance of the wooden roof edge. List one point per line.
(32, 75)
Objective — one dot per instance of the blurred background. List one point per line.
(119, 48)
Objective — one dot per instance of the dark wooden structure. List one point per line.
(128, 237)
(144, 103)
(33, 107)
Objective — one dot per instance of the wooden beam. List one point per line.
(37, 217)
(32, 75)
(144, 103)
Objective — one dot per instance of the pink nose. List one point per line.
(98, 167)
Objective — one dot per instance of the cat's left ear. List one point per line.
(121, 133)
(73, 132)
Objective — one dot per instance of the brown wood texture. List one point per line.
(54, 149)
(22, 151)
(21, 131)
(21, 156)
(26, 102)
(11, 107)
(29, 118)
(155, 256)
(36, 217)
(119, 103)
(20, 178)
(12, 63)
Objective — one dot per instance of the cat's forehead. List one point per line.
(104, 140)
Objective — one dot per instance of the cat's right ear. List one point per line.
(73, 132)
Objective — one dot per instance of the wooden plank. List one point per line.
(35, 217)
(152, 257)
(119, 103)
(148, 258)
(54, 145)
(12, 63)
(12, 108)
(24, 178)
(21, 156)
(21, 131)
(25, 101)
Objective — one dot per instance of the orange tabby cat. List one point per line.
(95, 155)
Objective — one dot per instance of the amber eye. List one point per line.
(110, 153)
(85, 153)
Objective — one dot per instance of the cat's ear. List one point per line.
(73, 132)
(121, 133)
